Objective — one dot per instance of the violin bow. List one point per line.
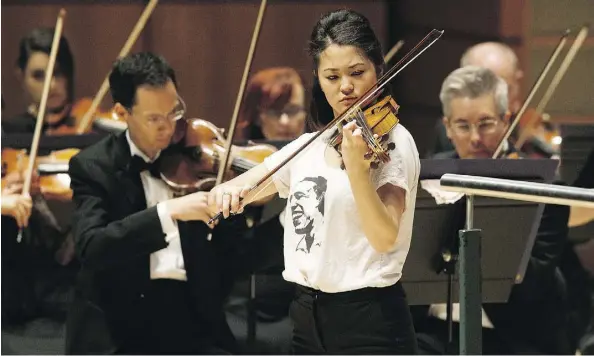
(246, 70)
(49, 73)
(392, 52)
(421, 47)
(533, 90)
(571, 53)
(535, 87)
(146, 13)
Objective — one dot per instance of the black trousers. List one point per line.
(365, 321)
(168, 323)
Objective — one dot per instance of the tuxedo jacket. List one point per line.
(115, 233)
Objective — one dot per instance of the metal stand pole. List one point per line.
(251, 315)
(470, 286)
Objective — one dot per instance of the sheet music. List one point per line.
(433, 187)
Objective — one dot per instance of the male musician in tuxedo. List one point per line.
(476, 117)
(151, 281)
(500, 59)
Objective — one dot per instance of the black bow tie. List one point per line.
(139, 165)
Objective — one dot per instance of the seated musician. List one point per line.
(273, 110)
(476, 117)
(150, 281)
(37, 271)
(34, 51)
(500, 59)
(274, 106)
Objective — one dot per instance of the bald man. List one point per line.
(500, 59)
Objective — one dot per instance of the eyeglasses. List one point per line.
(292, 111)
(178, 112)
(483, 127)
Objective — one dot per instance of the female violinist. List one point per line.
(38, 272)
(347, 231)
(274, 106)
(63, 113)
(33, 59)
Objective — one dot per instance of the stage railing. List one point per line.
(470, 238)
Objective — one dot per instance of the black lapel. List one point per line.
(129, 183)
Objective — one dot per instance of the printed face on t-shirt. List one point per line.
(307, 207)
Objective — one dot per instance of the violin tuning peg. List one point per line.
(368, 155)
(385, 137)
(374, 165)
(391, 146)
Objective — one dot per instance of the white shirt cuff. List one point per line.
(167, 223)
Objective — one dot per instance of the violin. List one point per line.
(536, 120)
(54, 182)
(193, 159)
(543, 139)
(376, 122)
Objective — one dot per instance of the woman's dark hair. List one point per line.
(344, 28)
(40, 40)
(130, 72)
(270, 88)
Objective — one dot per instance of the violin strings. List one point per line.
(240, 163)
(367, 133)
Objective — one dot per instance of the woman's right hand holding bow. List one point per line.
(226, 198)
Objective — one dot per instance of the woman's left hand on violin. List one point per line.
(353, 149)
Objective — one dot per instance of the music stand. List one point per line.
(508, 232)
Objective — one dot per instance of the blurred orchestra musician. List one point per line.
(500, 59)
(274, 106)
(150, 281)
(34, 52)
(273, 110)
(476, 117)
(37, 272)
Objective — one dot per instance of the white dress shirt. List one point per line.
(167, 263)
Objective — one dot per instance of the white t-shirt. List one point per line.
(324, 244)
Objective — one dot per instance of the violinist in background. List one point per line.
(476, 117)
(34, 51)
(273, 110)
(501, 60)
(150, 282)
(348, 232)
(274, 106)
(37, 275)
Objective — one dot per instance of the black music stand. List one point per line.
(508, 229)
